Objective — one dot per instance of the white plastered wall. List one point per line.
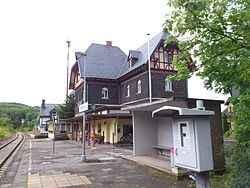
(145, 133)
(165, 133)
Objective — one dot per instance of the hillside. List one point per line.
(15, 116)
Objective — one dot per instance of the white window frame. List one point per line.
(139, 86)
(165, 56)
(105, 93)
(128, 91)
(168, 85)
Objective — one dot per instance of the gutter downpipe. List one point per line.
(149, 72)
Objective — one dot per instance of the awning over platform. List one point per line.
(169, 110)
(99, 116)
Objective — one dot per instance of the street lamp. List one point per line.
(68, 42)
(84, 107)
(84, 115)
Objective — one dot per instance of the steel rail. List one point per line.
(9, 141)
(11, 149)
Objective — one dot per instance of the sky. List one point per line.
(33, 48)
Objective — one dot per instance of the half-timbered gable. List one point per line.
(135, 71)
(162, 58)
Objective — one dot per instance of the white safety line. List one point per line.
(30, 159)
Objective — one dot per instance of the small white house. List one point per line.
(44, 116)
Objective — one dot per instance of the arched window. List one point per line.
(168, 85)
(139, 86)
(105, 93)
(128, 91)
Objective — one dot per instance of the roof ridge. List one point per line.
(104, 45)
(118, 75)
(156, 36)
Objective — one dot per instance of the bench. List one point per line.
(162, 149)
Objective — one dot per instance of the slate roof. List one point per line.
(143, 58)
(135, 54)
(102, 61)
(45, 112)
(110, 62)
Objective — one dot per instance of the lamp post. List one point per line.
(68, 42)
(84, 107)
(83, 157)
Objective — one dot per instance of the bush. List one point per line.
(228, 133)
(239, 167)
(225, 124)
(4, 131)
(41, 136)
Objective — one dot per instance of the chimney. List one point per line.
(200, 105)
(109, 43)
(43, 103)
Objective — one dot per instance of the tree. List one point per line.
(67, 110)
(17, 112)
(216, 35)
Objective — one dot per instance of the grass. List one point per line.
(4, 132)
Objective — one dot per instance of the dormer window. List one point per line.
(105, 93)
(128, 91)
(133, 56)
(139, 86)
(130, 61)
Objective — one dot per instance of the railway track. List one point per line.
(7, 152)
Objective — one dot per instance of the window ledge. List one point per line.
(171, 91)
(104, 98)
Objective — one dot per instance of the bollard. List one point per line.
(172, 157)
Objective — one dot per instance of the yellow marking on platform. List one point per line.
(58, 179)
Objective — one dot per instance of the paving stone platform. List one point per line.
(105, 168)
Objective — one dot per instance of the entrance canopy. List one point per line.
(171, 110)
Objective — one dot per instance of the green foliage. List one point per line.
(17, 116)
(4, 131)
(228, 133)
(225, 124)
(216, 34)
(5, 126)
(217, 181)
(5, 121)
(241, 118)
(238, 167)
(67, 110)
